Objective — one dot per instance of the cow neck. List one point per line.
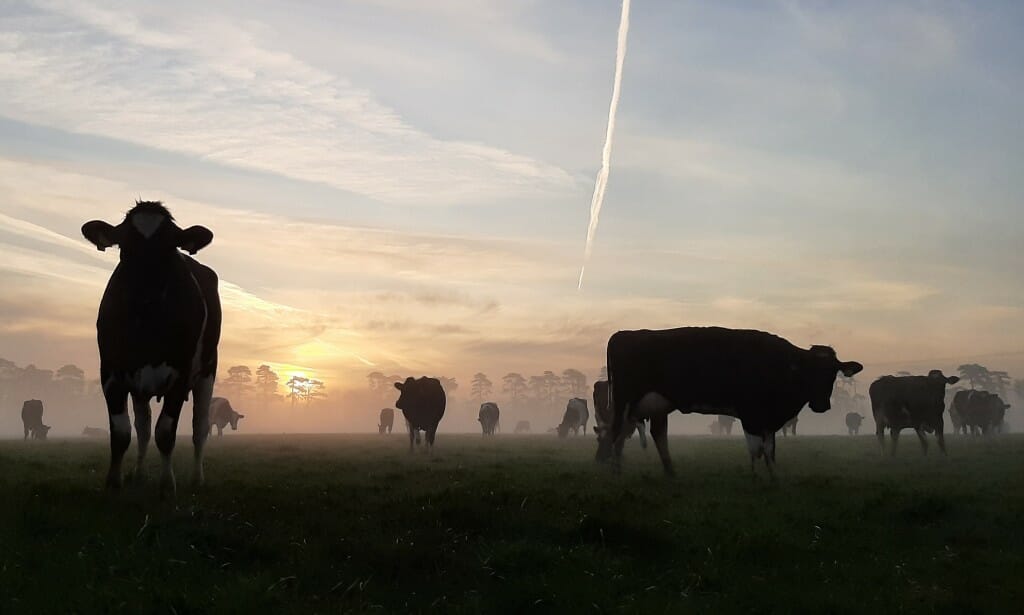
(151, 275)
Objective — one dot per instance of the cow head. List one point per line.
(819, 375)
(563, 430)
(234, 420)
(147, 231)
(40, 432)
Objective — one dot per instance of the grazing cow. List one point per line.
(387, 420)
(915, 402)
(572, 420)
(158, 329)
(981, 411)
(853, 421)
(790, 426)
(489, 415)
(32, 419)
(957, 409)
(523, 427)
(759, 378)
(422, 401)
(95, 432)
(603, 415)
(222, 414)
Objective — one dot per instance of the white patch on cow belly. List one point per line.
(153, 380)
(147, 223)
(121, 425)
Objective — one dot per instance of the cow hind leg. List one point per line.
(143, 430)
(412, 437)
(202, 394)
(430, 438)
(659, 432)
(880, 434)
(120, 432)
(165, 434)
(769, 453)
(895, 434)
(755, 446)
(641, 431)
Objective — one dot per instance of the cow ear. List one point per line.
(194, 238)
(850, 368)
(100, 234)
(241, 416)
(399, 385)
(953, 379)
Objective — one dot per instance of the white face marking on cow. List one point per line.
(147, 223)
(152, 380)
(121, 425)
(650, 405)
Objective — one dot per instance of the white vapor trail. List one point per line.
(606, 153)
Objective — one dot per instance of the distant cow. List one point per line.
(422, 401)
(32, 419)
(853, 421)
(222, 415)
(603, 415)
(957, 408)
(759, 378)
(979, 411)
(914, 402)
(158, 329)
(790, 426)
(572, 420)
(523, 427)
(95, 432)
(489, 417)
(387, 420)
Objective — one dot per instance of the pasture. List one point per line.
(337, 523)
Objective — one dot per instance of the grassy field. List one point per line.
(302, 524)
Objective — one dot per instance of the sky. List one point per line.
(404, 186)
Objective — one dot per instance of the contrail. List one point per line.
(606, 153)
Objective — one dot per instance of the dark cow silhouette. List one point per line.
(759, 378)
(603, 415)
(32, 419)
(957, 408)
(422, 401)
(853, 421)
(790, 426)
(914, 402)
(158, 329)
(95, 432)
(979, 411)
(572, 420)
(222, 415)
(387, 420)
(489, 417)
(523, 427)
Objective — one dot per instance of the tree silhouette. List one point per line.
(239, 379)
(449, 385)
(575, 382)
(71, 379)
(552, 386)
(481, 387)
(1000, 382)
(976, 375)
(266, 383)
(514, 385)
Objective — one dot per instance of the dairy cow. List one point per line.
(853, 422)
(914, 402)
(573, 418)
(222, 415)
(422, 401)
(759, 378)
(386, 421)
(32, 420)
(489, 417)
(158, 328)
(603, 415)
(979, 411)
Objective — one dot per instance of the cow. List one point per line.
(95, 432)
(32, 420)
(158, 328)
(422, 401)
(603, 414)
(915, 402)
(489, 418)
(523, 427)
(957, 409)
(573, 418)
(790, 426)
(387, 420)
(222, 415)
(980, 411)
(759, 378)
(853, 421)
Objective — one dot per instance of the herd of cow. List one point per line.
(159, 325)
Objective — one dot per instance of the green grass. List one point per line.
(302, 524)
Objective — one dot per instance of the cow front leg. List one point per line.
(120, 430)
(411, 438)
(641, 432)
(923, 440)
(165, 434)
(880, 434)
(430, 438)
(895, 433)
(143, 430)
(202, 394)
(755, 446)
(769, 453)
(659, 432)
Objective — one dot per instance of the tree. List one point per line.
(266, 383)
(378, 382)
(297, 387)
(575, 382)
(514, 385)
(239, 379)
(976, 375)
(552, 386)
(449, 385)
(999, 382)
(71, 379)
(480, 387)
